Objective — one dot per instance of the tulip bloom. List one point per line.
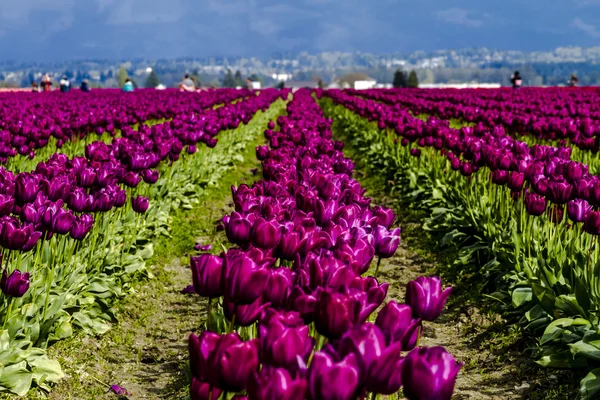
(243, 280)
(206, 275)
(266, 234)
(386, 242)
(331, 379)
(275, 384)
(578, 210)
(16, 284)
(335, 313)
(535, 204)
(282, 345)
(426, 298)
(236, 364)
(238, 228)
(429, 373)
(398, 325)
(139, 204)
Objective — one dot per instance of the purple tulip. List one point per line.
(131, 179)
(426, 298)
(275, 384)
(236, 364)
(415, 152)
(266, 234)
(280, 283)
(385, 216)
(578, 209)
(398, 325)
(150, 176)
(139, 204)
(535, 204)
(592, 223)
(206, 275)
(335, 313)
(288, 245)
(331, 379)
(262, 152)
(201, 348)
(429, 373)
(386, 242)
(238, 228)
(203, 391)
(243, 279)
(118, 390)
(26, 187)
(82, 226)
(6, 204)
(15, 285)
(559, 192)
(244, 315)
(283, 345)
(516, 181)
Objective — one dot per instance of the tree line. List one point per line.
(404, 80)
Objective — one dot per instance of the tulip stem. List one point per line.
(377, 267)
(373, 396)
(208, 311)
(232, 325)
(8, 312)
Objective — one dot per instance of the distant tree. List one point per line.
(280, 85)
(256, 78)
(228, 80)
(122, 76)
(321, 84)
(239, 81)
(400, 79)
(412, 81)
(153, 80)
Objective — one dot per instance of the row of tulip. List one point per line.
(546, 268)
(28, 122)
(545, 113)
(293, 286)
(59, 272)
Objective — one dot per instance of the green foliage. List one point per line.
(413, 80)
(122, 76)
(152, 81)
(229, 80)
(400, 79)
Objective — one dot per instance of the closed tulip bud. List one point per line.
(330, 379)
(398, 325)
(535, 204)
(415, 152)
(283, 345)
(592, 223)
(275, 384)
(247, 314)
(243, 280)
(203, 391)
(262, 152)
(131, 179)
(150, 176)
(335, 313)
(574, 171)
(140, 204)
(236, 364)
(288, 245)
(266, 234)
(86, 177)
(76, 199)
(13, 236)
(559, 192)
(206, 275)
(426, 298)
(26, 187)
(82, 226)
(516, 181)
(429, 373)
(201, 348)
(15, 285)
(239, 227)
(280, 283)
(386, 242)
(578, 209)
(385, 216)
(6, 204)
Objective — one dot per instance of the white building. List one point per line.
(459, 85)
(365, 84)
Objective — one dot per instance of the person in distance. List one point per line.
(516, 80)
(187, 84)
(65, 84)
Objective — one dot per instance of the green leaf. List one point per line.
(589, 387)
(521, 296)
(562, 359)
(45, 370)
(16, 378)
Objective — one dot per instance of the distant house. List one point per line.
(255, 85)
(365, 84)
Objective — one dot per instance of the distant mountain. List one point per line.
(73, 29)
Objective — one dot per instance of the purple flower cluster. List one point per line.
(61, 194)
(544, 174)
(549, 113)
(305, 235)
(28, 121)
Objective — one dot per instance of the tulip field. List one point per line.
(292, 301)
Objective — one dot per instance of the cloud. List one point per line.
(586, 28)
(458, 16)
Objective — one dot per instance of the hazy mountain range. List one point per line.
(56, 30)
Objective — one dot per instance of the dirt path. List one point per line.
(146, 352)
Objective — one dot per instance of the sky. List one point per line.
(55, 30)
